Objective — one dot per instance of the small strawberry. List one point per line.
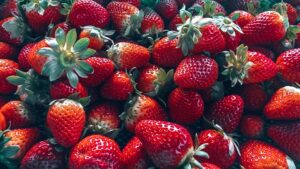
(3, 123)
(241, 17)
(12, 30)
(7, 68)
(62, 89)
(211, 8)
(166, 8)
(185, 106)
(196, 72)
(284, 104)
(23, 56)
(107, 154)
(269, 53)
(66, 119)
(63, 25)
(7, 51)
(126, 58)
(35, 60)
(152, 23)
(252, 126)
(260, 155)
(290, 10)
(136, 3)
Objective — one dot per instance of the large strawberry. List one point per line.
(12, 30)
(284, 104)
(252, 126)
(152, 23)
(3, 122)
(62, 89)
(23, 56)
(166, 8)
(7, 68)
(66, 119)
(241, 17)
(260, 155)
(96, 151)
(7, 51)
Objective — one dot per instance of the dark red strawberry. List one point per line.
(62, 89)
(64, 26)
(7, 68)
(7, 51)
(23, 56)
(176, 20)
(267, 52)
(290, 11)
(252, 126)
(3, 123)
(136, 3)
(166, 8)
(241, 17)
(152, 23)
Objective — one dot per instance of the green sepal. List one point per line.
(235, 16)
(226, 25)
(7, 153)
(71, 38)
(16, 28)
(209, 8)
(40, 6)
(292, 32)
(135, 22)
(73, 78)
(15, 80)
(100, 33)
(163, 83)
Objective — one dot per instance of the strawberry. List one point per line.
(23, 56)
(288, 65)
(106, 155)
(287, 137)
(260, 155)
(12, 30)
(290, 11)
(134, 155)
(83, 9)
(62, 89)
(63, 25)
(117, 87)
(208, 166)
(241, 17)
(136, 3)
(176, 20)
(252, 126)
(126, 58)
(142, 108)
(104, 118)
(185, 106)
(211, 8)
(267, 52)
(196, 72)
(152, 23)
(66, 119)
(103, 69)
(166, 8)
(3, 122)
(7, 68)
(7, 51)
(266, 28)
(8, 8)
(216, 92)
(284, 104)
(35, 60)
(17, 114)
(43, 155)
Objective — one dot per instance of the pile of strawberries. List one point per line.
(138, 84)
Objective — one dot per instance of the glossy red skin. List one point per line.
(287, 137)
(66, 120)
(106, 155)
(244, 17)
(166, 8)
(39, 23)
(284, 104)
(267, 52)
(43, 155)
(260, 155)
(63, 89)
(217, 149)
(23, 57)
(289, 65)
(64, 26)
(7, 68)
(196, 72)
(134, 155)
(151, 20)
(166, 54)
(83, 9)
(136, 3)
(232, 42)
(7, 8)
(147, 76)
(5, 36)
(252, 126)
(292, 13)
(166, 143)
(95, 42)
(103, 69)
(7, 51)
(176, 20)
(35, 60)
(185, 106)
(219, 9)
(266, 28)
(118, 87)
(3, 123)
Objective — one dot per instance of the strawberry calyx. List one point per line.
(290, 163)
(162, 82)
(226, 25)
(102, 127)
(16, 28)
(209, 8)
(65, 55)
(56, 146)
(40, 5)
(7, 152)
(133, 25)
(99, 33)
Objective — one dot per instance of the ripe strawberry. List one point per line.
(7, 68)
(142, 108)
(284, 104)
(136, 3)
(17, 114)
(117, 87)
(148, 75)
(288, 65)
(36, 60)
(103, 69)
(64, 26)
(185, 106)
(252, 126)
(106, 155)
(266, 28)
(290, 11)
(62, 89)
(241, 17)
(8, 7)
(7, 51)
(152, 23)
(134, 155)
(66, 119)
(3, 122)
(287, 137)
(211, 8)
(176, 20)
(260, 155)
(267, 52)
(196, 72)
(43, 155)
(166, 8)
(83, 9)
(126, 58)
(23, 56)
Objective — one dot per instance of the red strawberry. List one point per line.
(208, 166)
(142, 108)
(136, 3)
(152, 23)
(252, 126)
(7, 51)
(269, 53)
(83, 9)
(63, 89)
(8, 7)
(103, 69)
(284, 104)
(96, 151)
(23, 56)
(148, 75)
(176, 20)
(211, 8)
(288, 65)
(166, 8)
(185, 106)
(66, 119)
(7, 68)
(266, 28)
(43, 155)
(134, 155)
(197, 72)
(117, 87)
(35, 60)
(241, 17)
(126, 58)
(64, 26)
(3, 122)
(260, 155)
(17, 114)
(287, 137)
(290, 11)
(12, 30)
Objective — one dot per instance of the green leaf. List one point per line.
(235, 16)
(73, 78)
(87, 53)
(22, 74)
(60, 36)
(85, 66)
(10, 151)
(15, 80)
(81, 44)
(49, 67)
(48, 52)
(80, 72)
(71, 38)
(56, 73)
(85, 101)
